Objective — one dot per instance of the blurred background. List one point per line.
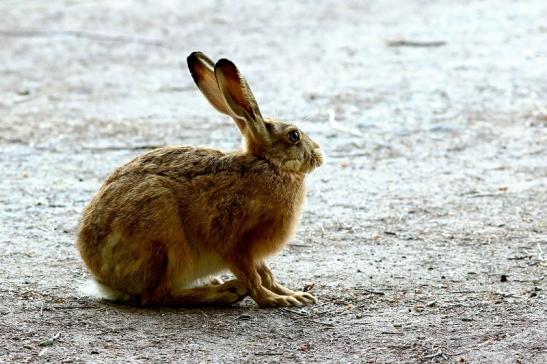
(433, 119)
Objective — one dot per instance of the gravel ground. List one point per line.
(425, 233)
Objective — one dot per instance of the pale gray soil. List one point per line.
(435, 185)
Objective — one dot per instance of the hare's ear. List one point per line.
(240, 99)
(202, 70)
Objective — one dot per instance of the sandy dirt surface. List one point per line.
(425, 233)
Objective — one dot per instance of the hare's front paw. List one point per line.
(304, 297)
(271, 299)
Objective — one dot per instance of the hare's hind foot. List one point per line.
(230, 292)
(215, 281)
(223, 294)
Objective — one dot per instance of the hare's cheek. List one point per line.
(293, 165)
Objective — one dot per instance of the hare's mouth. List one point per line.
(317, 158)
(314, 160)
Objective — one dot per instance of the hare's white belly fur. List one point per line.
(203, 266)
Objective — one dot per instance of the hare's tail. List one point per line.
(95, 289)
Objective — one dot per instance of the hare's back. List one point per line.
(174, 162)
(149, 185)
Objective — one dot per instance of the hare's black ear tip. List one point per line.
(195, 54)
(226, 66)
(224, 62)
(193, 57)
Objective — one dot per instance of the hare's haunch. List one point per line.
(162, 225)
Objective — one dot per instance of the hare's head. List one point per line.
(282, 144)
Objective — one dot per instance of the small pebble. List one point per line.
(23, 92)
(309, 287)
(305, 347)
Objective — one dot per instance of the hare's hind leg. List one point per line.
(226, 293)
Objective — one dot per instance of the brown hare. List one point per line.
(164, 223)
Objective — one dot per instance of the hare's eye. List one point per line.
(294, 136)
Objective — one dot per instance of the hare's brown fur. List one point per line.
(177, 215)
